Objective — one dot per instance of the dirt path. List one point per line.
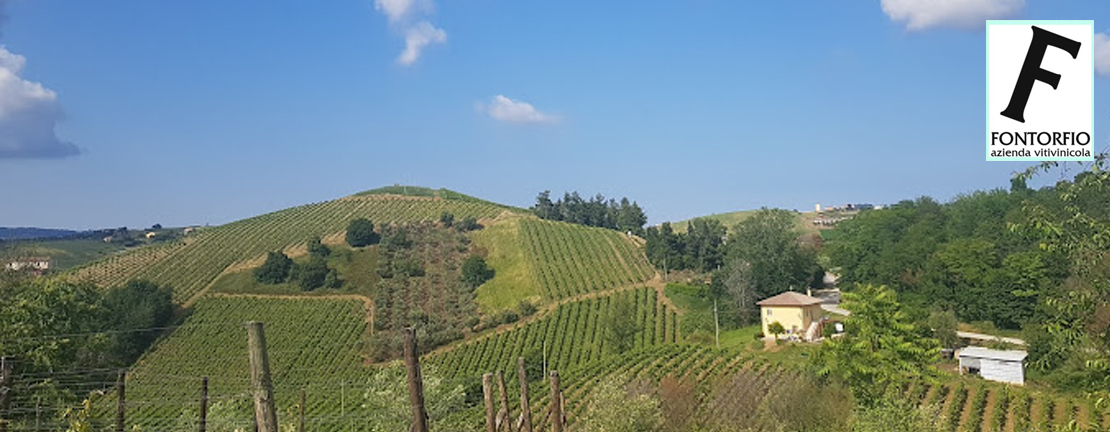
(988, 411)
(367, 303)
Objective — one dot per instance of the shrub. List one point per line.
(468, 224)
(447, 219)
(360, 232)
(275, 270)
(332, 280)
(312, 274)
(526, 308)
(475, 272)
(317, 249)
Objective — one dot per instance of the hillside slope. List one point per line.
(190, 265)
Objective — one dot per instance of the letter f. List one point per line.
(1032, 72)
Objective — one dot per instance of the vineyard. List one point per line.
(188, 267)
(976, 405)
(571, 335)
(569, 260)
(315, 345)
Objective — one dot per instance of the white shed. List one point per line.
(1006, 366)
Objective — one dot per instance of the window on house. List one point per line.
(768, 312)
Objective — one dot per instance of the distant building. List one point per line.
(151, 235)
(31, 263)
(798, 313)
(1006, 366)
(817, 207)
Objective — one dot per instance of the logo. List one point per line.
(1040, 90)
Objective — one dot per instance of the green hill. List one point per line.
(730, 219)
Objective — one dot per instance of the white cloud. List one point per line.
(507, 110)
(1102, 54)
(28, 114)
(398, 10)
(963, 14)
(416, 38)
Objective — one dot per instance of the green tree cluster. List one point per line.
(623, 215)
(701, 247)
(360, 233)
(475, 272)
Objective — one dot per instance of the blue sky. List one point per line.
(194, 112)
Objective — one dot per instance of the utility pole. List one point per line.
(717, 323)
(262, 385)
(203, 404)
(5, 390)
(416, 383)
(525, 410)
(121, 403)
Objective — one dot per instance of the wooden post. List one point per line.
(716, 324)
(262, 386)
(487, 395)
(416, 383)
(508, 412)
(556, 410)
(525, 409)
(121, 403)
(300, 425)
(203, 404)
(5, 390)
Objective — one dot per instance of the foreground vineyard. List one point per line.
(315, 345)
(572, 334)
(190, 266)
(571, 259)
(976, 405)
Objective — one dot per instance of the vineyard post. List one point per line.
(525, 410)
(5, 390)
(416, 382)
(556, 410)
(203, 403)
(487, 396)
(300, 425)
(717, 324)
(261, 383)
(504, 401)
(121, 405)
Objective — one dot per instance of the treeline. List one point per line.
(54, 327)
(623, 215)
(764, 255)
(1035, 260)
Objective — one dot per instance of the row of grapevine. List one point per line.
(570, 259)
(990, 407)
(190, 266)
(573, 334)
(315, 345)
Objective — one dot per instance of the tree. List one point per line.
(447, 219)
(385, 404)
(317, 249)
(620, 326)
(776, 329)
(739, 287)
(881, 348)
(138, 304)
(312, 274)
(275, 270)
(768, 242)
(332, 280)
(360, 233)
(468, 224)
(612, 409)
(475, 272)
(943, 326)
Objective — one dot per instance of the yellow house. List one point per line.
(798, 313)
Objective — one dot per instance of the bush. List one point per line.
(312, 274)
(475, 272)
(332, 280)
(360, 232)
(468, 224)
(447, 219)
(275, 270)
(526, 308)
(317, 249)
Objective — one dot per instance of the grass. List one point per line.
(66, 253)
(695, 304)
(987, 327)
(729, 220)
(357, 268)
(513, 280)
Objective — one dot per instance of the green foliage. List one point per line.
(613, 409)
(275, 269)
(896, 415)
(526, 308)
(385, 401)
(943, 326)
(468, 224)
(475, 272)
(447, 219)
(620, 326)
(316, 249)
(623, 216)
(776, 329)
(360, 233)
(313, 274)
(881, 349)
(768, 242)
(700, 248)
(332, 280)
(136, 305)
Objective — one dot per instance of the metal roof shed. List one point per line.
(1006, 366)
